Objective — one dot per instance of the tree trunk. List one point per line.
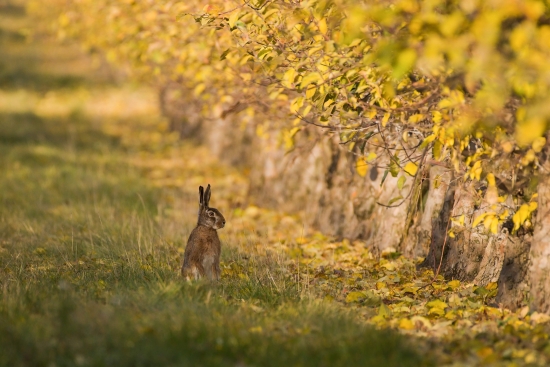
(475, 255)
(540, 250)
(418, 239)
(513, 283)
(319, 178)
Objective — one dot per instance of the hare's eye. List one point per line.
(210, 214)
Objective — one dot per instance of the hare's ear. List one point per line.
(201, 196)
(207, 196)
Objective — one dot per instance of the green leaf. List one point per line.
(395, 199)
(401, 182)
(384, 177)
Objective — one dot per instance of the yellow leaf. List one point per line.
(529, 131)
(296, 104)
(523, 212)
(199, 89)
(371, 114)
(361, 166)
(323, 26)
(521, 216)
(355, 297)
(504, 215)
(411, 168)
(429, 139)
(406, 324)
(538, 144)
(491, 179)
(310, 92)
(412, 290)
(436, 311)
(310, 78)
(372, 156)
(233, 19)
(475, 171)
(507, 147)
(454, 284)
(517, 223)
(385, 119)
(484, 352)
(487, 222)
(436, 303)
(479, 219)
(288, 78)
(416, 118)
(451, 315)
(384, 311)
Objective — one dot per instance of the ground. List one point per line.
(97, 200)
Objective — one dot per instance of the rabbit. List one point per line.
(202, 253)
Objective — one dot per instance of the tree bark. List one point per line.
(418, 239)
(513, 283)
(540, 250)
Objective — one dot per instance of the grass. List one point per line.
(96, 203)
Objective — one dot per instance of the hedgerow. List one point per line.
(405, 83)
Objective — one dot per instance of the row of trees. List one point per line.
(454, 93)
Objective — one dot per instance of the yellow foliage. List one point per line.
(355, 297)
(361, 166)
(406, 324)
(528, 132)
(407, 66)
(411, 168)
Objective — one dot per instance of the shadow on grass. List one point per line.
(181, 324)
(71, 132)
(11, 36)
(23, 78)
(14, 10)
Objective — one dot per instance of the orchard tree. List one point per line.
(449, 97)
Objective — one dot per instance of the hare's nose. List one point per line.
(223, 222)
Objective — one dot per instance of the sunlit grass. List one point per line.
(89, 271)
(96, 203)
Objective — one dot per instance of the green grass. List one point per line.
(89, 259)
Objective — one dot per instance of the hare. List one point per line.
(202, 254)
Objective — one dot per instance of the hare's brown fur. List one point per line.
(202, 254)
